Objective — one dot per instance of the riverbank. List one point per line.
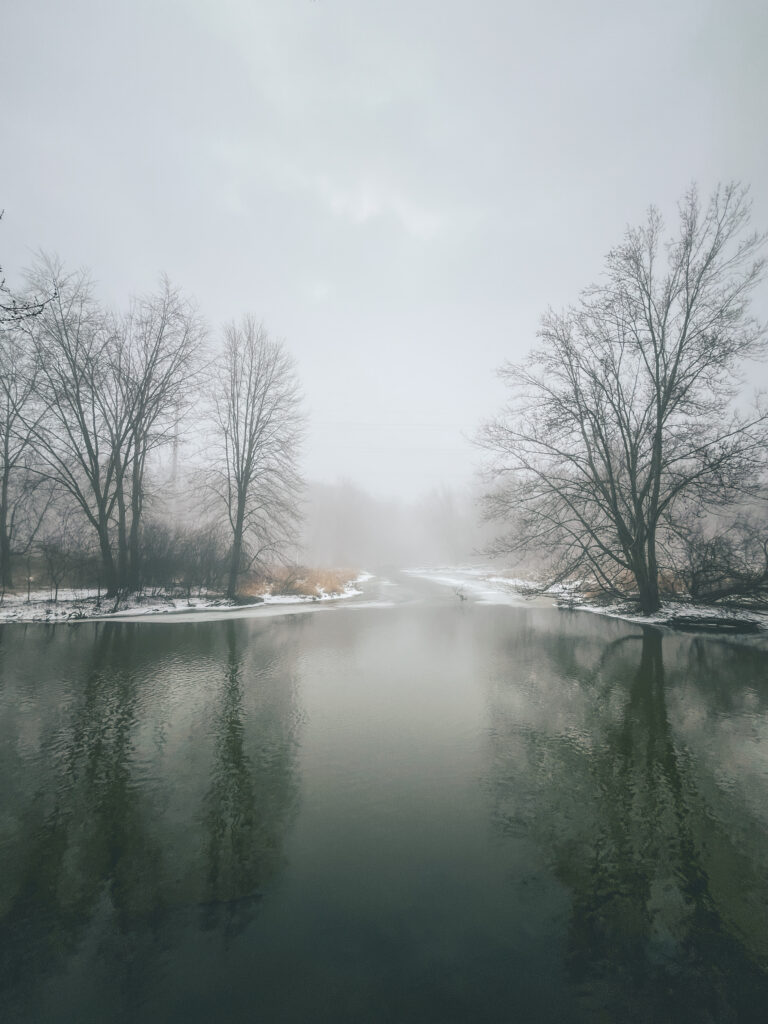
(487, 586)
(73, 605)
(684, 615)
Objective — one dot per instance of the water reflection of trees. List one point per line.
(87, 844)
(248, 802)
(107, 851)
(617, 806)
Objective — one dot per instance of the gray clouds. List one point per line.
(399, 189)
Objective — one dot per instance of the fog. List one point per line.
(399, 190)
(346, 526)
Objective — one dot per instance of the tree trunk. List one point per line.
(6, 576)
(237, 552)
(111, 581)
(648, 590)
(642, 559)
(122, 532)
(234, 567)
(134, 554)
(134, 547)
(647, 587)
(654, 600)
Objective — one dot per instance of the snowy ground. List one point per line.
(482, 584)
(73, 605)
(670, 612)
(486, 586)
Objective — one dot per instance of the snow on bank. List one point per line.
(671, 613)
(75, 605)
(486, 586)
(40, 607)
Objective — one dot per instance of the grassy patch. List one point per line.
(299, 581)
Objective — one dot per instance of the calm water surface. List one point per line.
(401, 809)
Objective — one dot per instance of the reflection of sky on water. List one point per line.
(433, 808)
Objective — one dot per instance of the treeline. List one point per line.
(133, 451)
(630, 458)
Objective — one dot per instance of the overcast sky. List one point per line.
(399, 189)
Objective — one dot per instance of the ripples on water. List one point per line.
(429, 811)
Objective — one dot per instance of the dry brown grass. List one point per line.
(299, 581)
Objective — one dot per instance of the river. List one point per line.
(401, 808)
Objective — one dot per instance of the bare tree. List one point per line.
(14, 309)
(160, 340)
(62, 545)
(82, 438)
(18, 415)
(17, 397)
(624, 417)
(112, 390)
(728, 562)
(257, 426)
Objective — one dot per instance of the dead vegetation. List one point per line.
(299, 581)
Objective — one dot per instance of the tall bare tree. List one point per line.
(160, 341)
(82, 438)
(17, 396)
(111, 390)
(624, 417)
(17, 418)
(257, 427)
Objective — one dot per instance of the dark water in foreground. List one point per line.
(431, 811)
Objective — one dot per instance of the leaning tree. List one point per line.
(626, 417)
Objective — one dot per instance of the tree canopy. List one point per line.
(623, 424)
